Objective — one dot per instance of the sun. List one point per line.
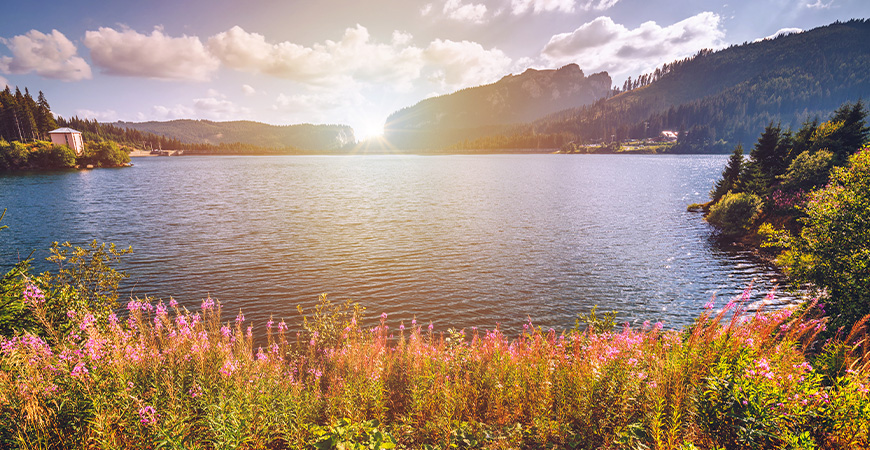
(369, 130)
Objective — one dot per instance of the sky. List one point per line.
(350, 62)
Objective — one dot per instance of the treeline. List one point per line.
(806, 195)
(717, 99)
(22, 118)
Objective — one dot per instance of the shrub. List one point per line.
(735, 214)
(832, 251)
(103, 154)
(808, 171)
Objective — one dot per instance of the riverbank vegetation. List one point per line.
(76, 373)
(804, 196)
(44, 155)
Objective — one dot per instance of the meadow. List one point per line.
(166, 377)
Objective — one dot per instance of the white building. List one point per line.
(68, 137)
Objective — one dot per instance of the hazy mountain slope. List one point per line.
(303, 136)
(477, 111)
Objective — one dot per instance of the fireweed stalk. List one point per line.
(168, 377)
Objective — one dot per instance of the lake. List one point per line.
(457, 240)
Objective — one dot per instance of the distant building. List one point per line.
(68, 137)
(668, 136)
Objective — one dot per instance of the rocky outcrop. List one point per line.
(474, 112)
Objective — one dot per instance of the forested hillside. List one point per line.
(479, 111)
(720, 98)
(302, 136)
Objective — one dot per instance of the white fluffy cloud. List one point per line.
(155, 55)
(466, 12)
(248, 89)
(4, 83)
(354, 57)
(539, 6)
(49, 55)
(463, 64)
(357, 58)
(604, 45)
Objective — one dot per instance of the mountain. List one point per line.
(718, 99)
(478, 111)
(303, 136)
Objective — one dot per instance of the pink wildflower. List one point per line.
(33, 296)
(207, 304)
(172, 303)
(147, 415)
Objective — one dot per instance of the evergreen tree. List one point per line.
(44, 119)
(730, 175)
(768, 152)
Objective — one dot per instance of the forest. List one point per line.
(718, 99)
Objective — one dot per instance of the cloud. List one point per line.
(819, 4)
(109, 115)
(4, 83)
(469, 12)
(248, 89)
(49, 55)
(426, 9)
(604, 45)
(780, 32)
(355, 57)
(213, 106)
(464, 64)
(155, 55)
(538, 6)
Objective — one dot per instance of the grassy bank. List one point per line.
(168, 378)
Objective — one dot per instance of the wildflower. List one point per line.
(384, 316)
(240, 318)
(79, 370)
(172, 303)
(161, 310)
(147, 415)
(207, 304)
(33, 296)
(87, 321)
(402, 327)
(282, 327)
(228, 368)
(659, 326)
(269, 324)
(225, 331)
(250, 331)
(708, 305)
(194, 391)
(431, 326)
(70, 314)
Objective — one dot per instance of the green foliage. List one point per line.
(36, 155)
(328, 323)
(347, 435)
(735, 214)
(103, 154)
(832, 250)
(88, 274)
(729, 176)
(596, 323)
(807, 171)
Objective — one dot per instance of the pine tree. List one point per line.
(44, 119)
(729, 176)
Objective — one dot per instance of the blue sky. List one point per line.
(351, 62)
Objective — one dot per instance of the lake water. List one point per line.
(457, 240)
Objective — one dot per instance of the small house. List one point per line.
(668, 136)
(68, 137)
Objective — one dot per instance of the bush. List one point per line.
(808, 171)
(103, 154)
(35, 155)
(833, 249)
(735, 214)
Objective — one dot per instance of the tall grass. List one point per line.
(165, 377)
